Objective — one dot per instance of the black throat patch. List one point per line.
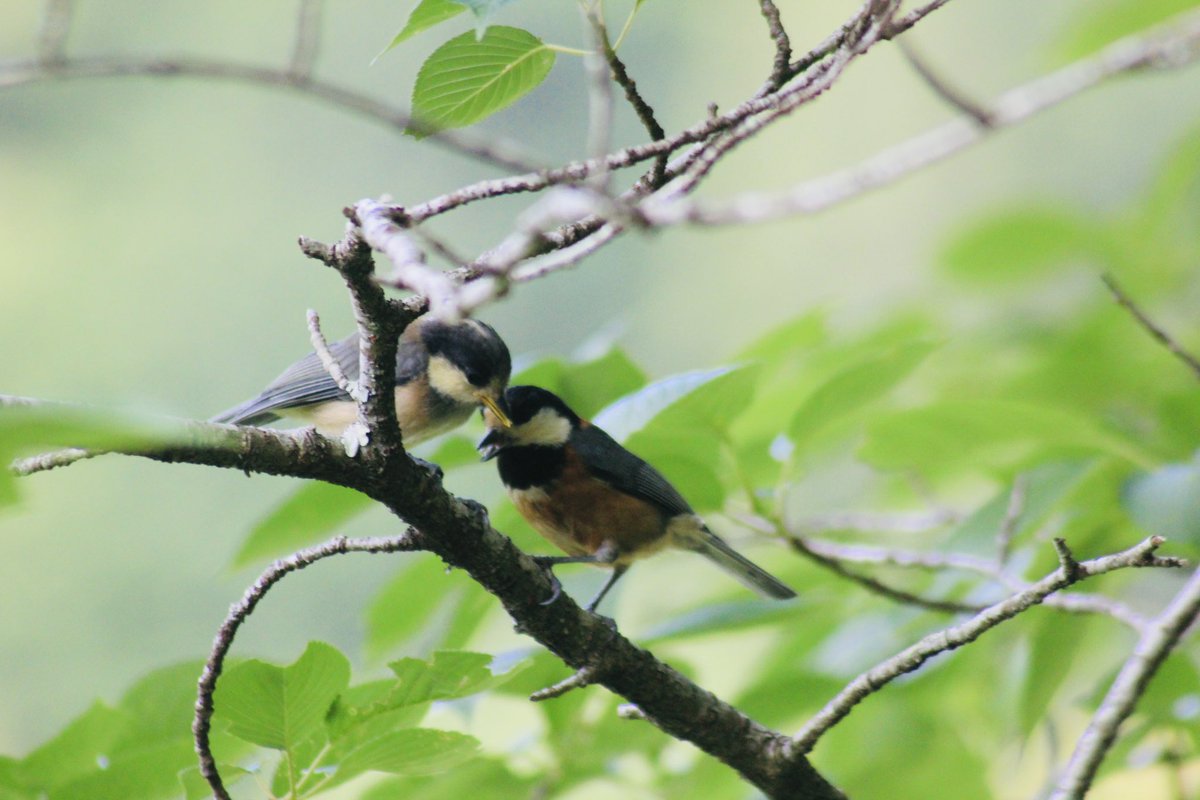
(529, 466)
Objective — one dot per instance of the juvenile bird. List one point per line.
(444, 370)
(595, 500)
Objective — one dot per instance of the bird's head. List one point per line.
(538, 419)
(468, 363)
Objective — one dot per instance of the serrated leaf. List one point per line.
(1016, 244)
(427, 14)
(956, 432)
(855, 386)
(310, 515)
(468, 79)
(280, 707)
(1166, 502)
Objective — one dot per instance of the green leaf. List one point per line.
(481, 779)
(720, 618)
(855, 386)
(451, 673)
(785, 342)
(468, 79)
(586, 386)
(1166, 502)
(1106, 22)
(954, 433)
(310, 515)
(455, 451)
(76, 750)
(413, 751)
(1017, 244)
(427, 14)
(27, 429)
(1054, 646)
(280, 707)
(631, 413)
(147, 773)
(406, 604)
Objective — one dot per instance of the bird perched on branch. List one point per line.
(595, 500)
(444, 370)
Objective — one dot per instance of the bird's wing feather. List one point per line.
(307, 382)
(610, 462)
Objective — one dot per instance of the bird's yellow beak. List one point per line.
(494, 407)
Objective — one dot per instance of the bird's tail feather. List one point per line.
(749, 574)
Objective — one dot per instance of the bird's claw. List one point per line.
(547, 565)
(433, 469)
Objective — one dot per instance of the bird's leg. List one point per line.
(606, 554)
(617, 572)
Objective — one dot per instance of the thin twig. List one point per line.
(877, 586)
(1163, 338)
(1169, 46)
(1161, 636)
(584, 676)
(409, 270)
(941, 88)
(202, 721)
(911, 658)
(643, 110)
(308, 37)
(783, 47)
(331, 365)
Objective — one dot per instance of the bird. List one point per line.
(593, 499)
(444, 371)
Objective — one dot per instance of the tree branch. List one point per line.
(1156, 643)
(1171, 46)
(1161, 336)
(910, 659)
(240, 611)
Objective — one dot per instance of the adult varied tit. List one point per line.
(595, 500)
(444, 370)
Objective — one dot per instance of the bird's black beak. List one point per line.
(491, 444)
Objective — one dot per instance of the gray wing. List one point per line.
(621, 469)
(307, 382)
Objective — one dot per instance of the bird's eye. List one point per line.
(475, 378)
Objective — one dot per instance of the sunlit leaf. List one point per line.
(149, 772)
(468, 79)
(631, 413)
(586, 386)
(280, 707)
(406, 604)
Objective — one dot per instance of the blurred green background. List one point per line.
(148, 231)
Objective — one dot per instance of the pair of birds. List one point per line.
(577, 487)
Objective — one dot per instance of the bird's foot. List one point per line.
(547, 564)
(433, 469)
